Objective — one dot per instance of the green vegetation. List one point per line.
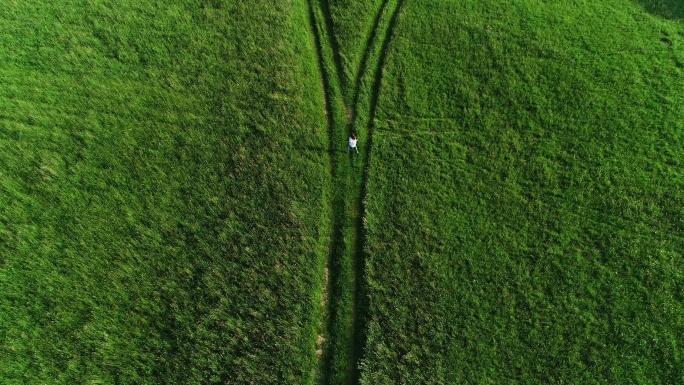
(350, 93)
(353, 25)
(670, 9)
(338, 366)
(524, 208)
(163, 199)
(338, 313)
(174, 182)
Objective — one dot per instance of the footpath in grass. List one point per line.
(525, 197)
(350, 103)
(163, 193)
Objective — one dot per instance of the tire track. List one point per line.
(342, 339)
(322, 345)
(360, 297)
(364, 59)
(377, 77)
(332, 41)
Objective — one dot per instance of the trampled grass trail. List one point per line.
(342, 335)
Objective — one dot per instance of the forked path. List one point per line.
(341, 338)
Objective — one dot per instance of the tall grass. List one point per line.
(163, 192)
(524, 208)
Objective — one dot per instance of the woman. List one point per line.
(352, 143)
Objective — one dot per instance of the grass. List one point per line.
(338, 364)
(351, 95)
(524, 207)
(669, 9)
(164, 193)
(174, 181)
(353, 23)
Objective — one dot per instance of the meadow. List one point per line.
(177, 205)
(525, 196)
(163, 203)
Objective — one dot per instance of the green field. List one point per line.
(525, 207)
(163, 211)
(177, 205)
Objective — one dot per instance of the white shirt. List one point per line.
(352, 142)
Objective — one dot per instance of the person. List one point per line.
(352, 143)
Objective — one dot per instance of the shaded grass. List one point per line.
(524, 203)
(670, 9)
(162, 199)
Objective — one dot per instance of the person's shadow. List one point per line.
(668, 9)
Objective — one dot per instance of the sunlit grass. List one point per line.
(525, 197)
(162, 179)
